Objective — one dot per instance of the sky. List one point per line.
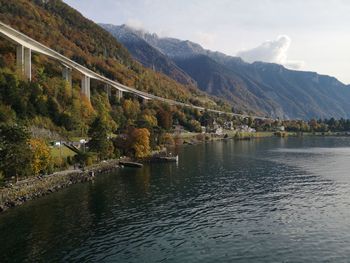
(312, 35)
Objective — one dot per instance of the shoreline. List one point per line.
(34, 188)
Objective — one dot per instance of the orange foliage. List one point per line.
(41, 156)
(140, 139)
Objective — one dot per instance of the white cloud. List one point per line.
(294, 64)
(165, 33)
(205, 39)
(135, 24)
(274, 51)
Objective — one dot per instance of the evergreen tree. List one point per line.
(99, 142)
(15, 154)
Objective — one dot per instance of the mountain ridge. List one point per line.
(266, 87)
(148, 56)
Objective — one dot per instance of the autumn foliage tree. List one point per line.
(131, 109)
(41, 156)
(165, 118)
(139, 139)
(147, 120)
(167, 139)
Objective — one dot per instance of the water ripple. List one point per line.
(263, 201)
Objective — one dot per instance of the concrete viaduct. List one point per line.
(27, 45)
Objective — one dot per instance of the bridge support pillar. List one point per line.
(85, 86)
(108, 90)
(24, 60)
(67, 75)
(119, 94)
(20, 58)
(28, 63)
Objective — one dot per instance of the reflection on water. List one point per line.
(269, 200)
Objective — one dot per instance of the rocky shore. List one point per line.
(33, 188)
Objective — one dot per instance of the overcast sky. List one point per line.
(301, 34)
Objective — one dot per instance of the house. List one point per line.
(245, 128)
(215, 125)
(228, 125)
(219, 131)
(178, 129)
(216, 128)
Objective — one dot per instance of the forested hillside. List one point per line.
(47, 108)
(62, 28)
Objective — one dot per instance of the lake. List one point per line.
(267, 200)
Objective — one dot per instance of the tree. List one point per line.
(6, 114)
(103, 109)
(165, 119)
(131, 109)
(15, 154)
(139, 141)
(194, 126)
(41, 156)
(207, 120)
(83, 158)
(99, 141)
(167, 139)
(147, 120)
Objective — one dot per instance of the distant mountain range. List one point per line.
(268, 88)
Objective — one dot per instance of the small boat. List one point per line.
(167, 158)
(131, 164)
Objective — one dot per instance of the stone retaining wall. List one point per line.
(33, 188)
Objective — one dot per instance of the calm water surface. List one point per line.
(269, 200)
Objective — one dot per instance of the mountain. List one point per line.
(218, 80)
(147, 55)
(263, 87)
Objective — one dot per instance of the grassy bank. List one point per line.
(62, 151)
(192, 138)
